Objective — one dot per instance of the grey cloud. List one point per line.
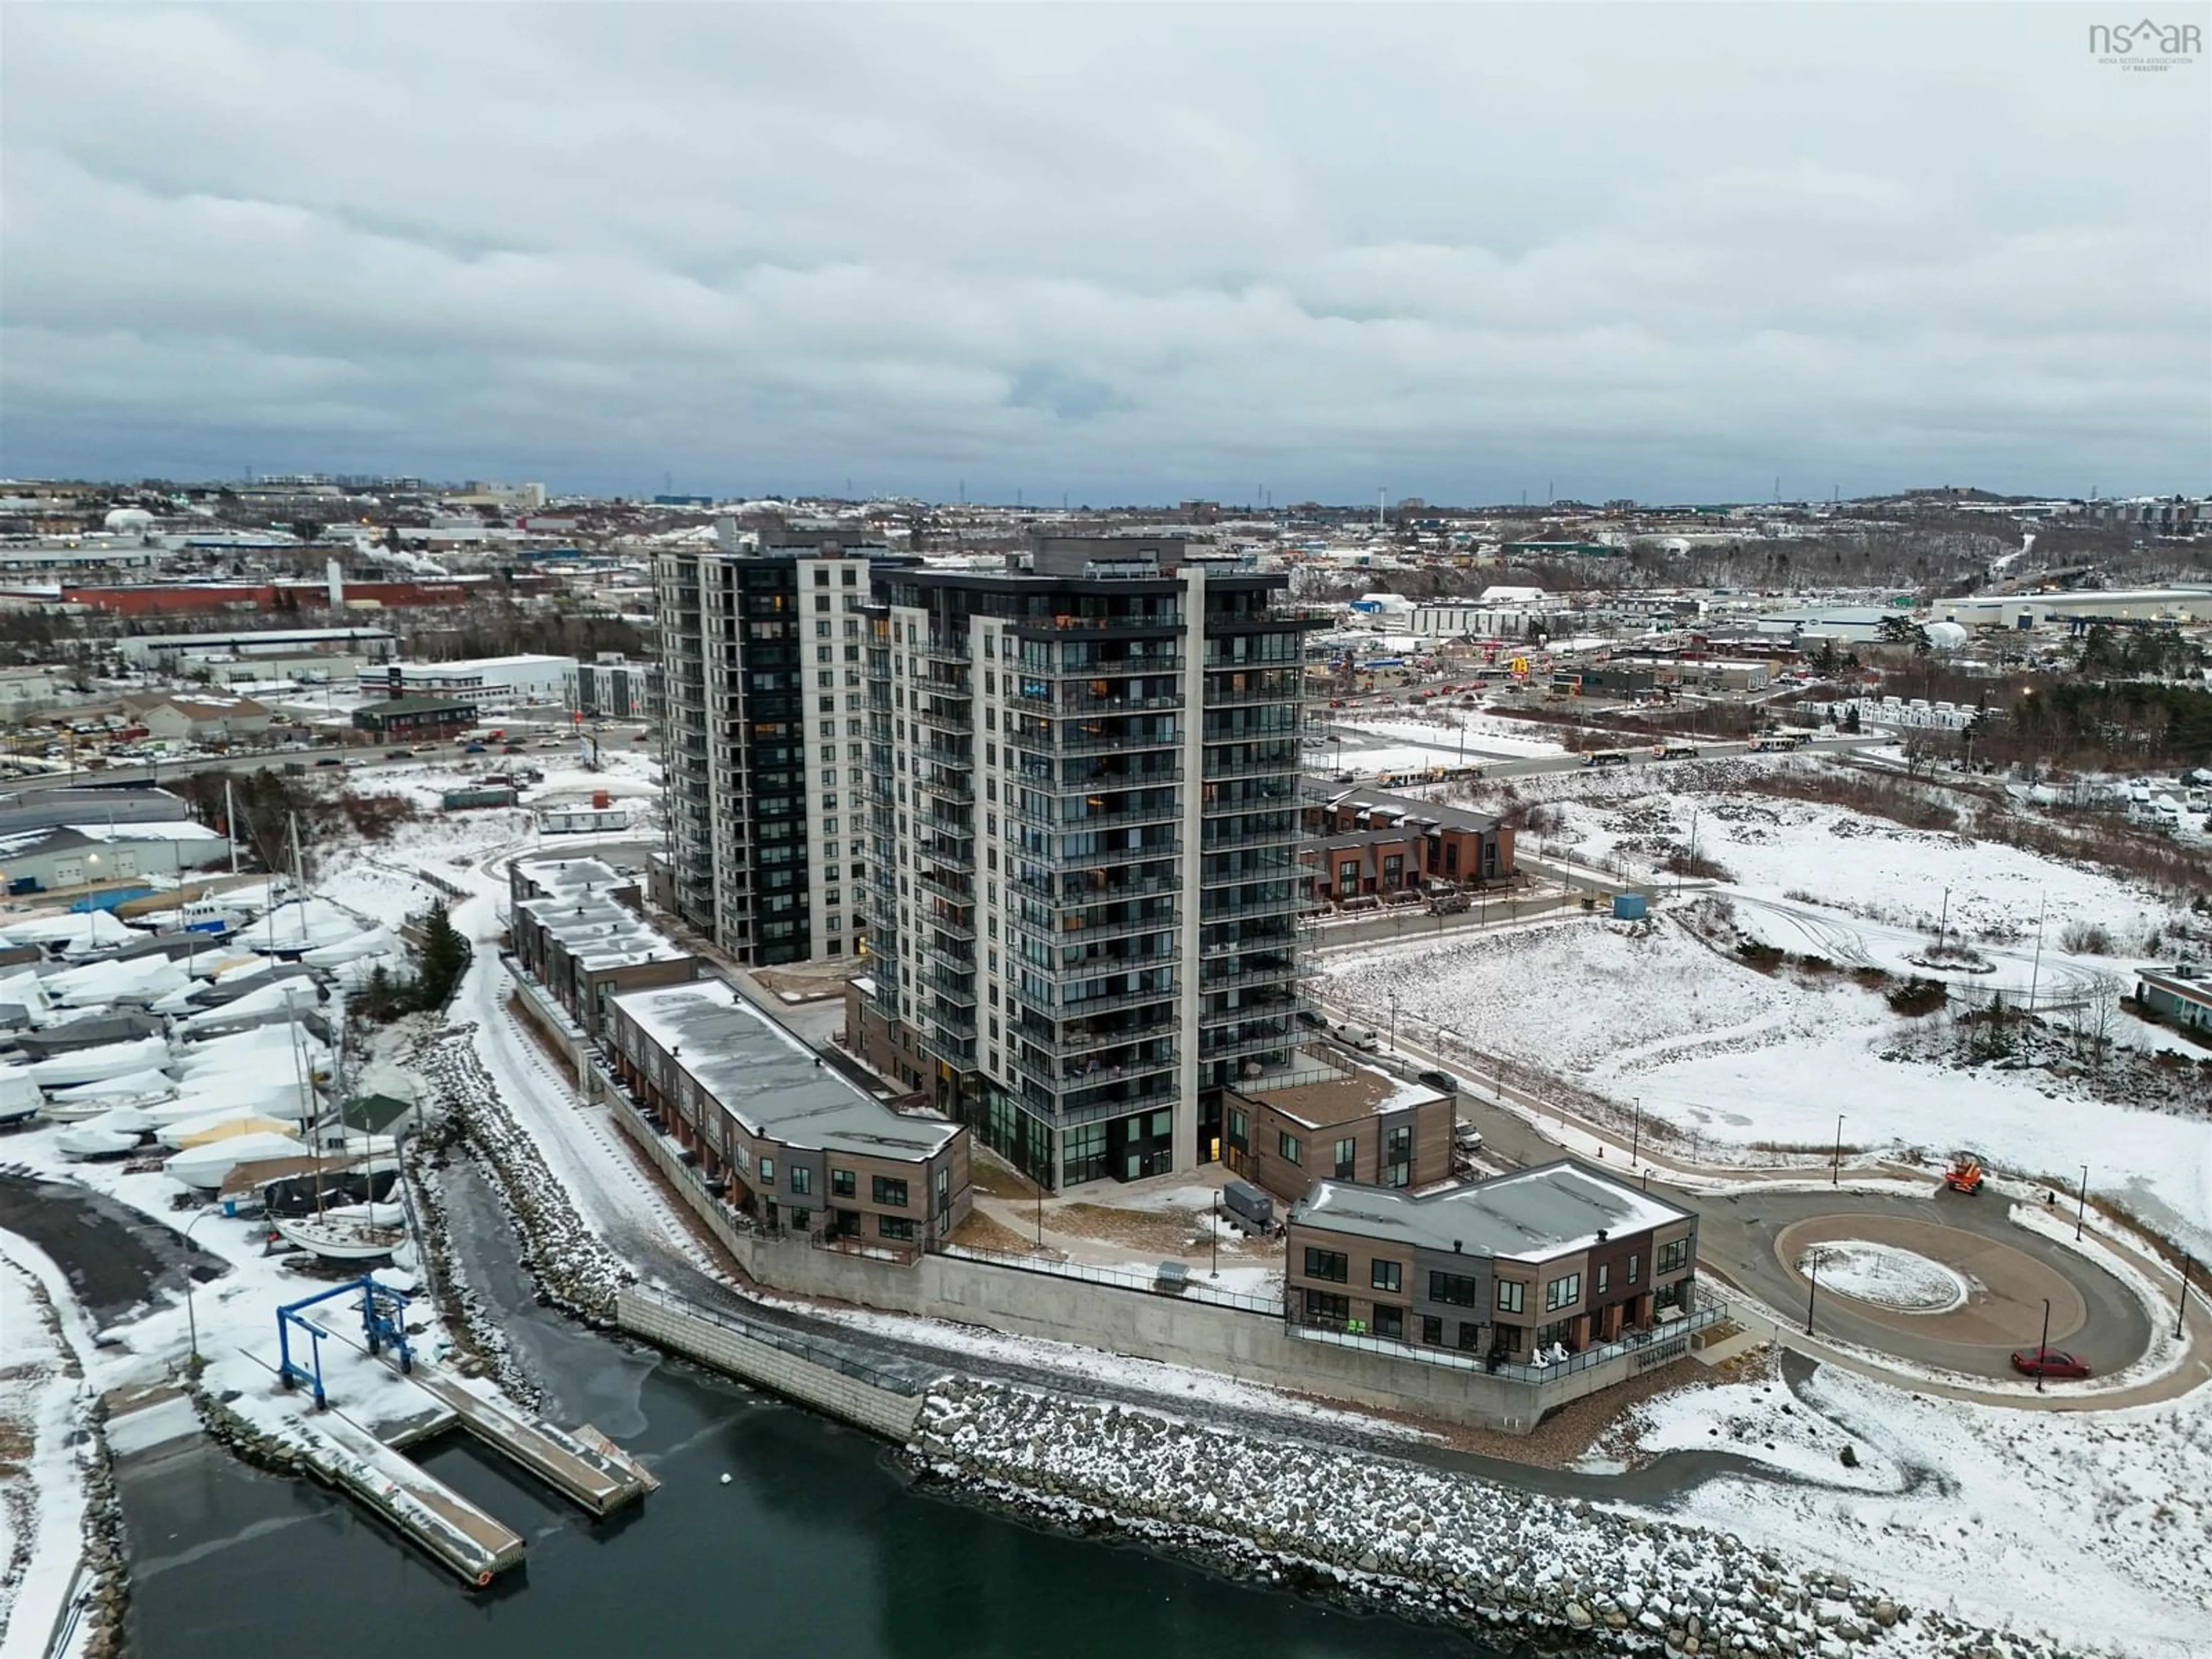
(1132, 253)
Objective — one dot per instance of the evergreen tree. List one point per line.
(442, 960)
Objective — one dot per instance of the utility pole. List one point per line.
(2082, 1205)
(2035, 973)
(1812, 1285)
(1943, 922)
(1836, 1169)
(2043, 1348)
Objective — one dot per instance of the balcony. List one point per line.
(1058, 857)
(1114, 817)
(1115, 923)
(1284, 759)
(1075, 738)
(957, 988)
(1084, 1036)
(1080, 891)
(949, 885)
(1087, 1075)
(1228, 906)
(1222, 696)
(1086, 1007)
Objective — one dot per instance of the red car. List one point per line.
(2048, 1362)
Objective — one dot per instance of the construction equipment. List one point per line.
(1964, 1175)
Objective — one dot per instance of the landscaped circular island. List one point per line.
(1886, 1275)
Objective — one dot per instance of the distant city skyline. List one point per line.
(1128, 255)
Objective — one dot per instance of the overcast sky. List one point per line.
(1125, 253)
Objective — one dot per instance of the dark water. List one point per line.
(818, 1545)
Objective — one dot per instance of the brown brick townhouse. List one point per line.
(1559, 1254)
(789, 1140)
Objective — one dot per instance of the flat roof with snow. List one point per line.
(769, 1081)
(1530, 1215)
(599, 932)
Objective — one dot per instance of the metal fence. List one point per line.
(1193, 1289)
(1670, 1340)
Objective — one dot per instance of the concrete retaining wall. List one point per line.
(1256, 1347)
(849, 1399)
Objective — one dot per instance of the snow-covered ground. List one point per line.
(1444, 737)
(41, 1490)
(1746, 1059)
(1884, 1275)
(2094, 1528)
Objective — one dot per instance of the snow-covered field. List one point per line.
(1746, 1059)
(2094, 1528)
(1445, 737)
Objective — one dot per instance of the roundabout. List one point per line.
(1944, 1280)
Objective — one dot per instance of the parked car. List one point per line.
(1466, 1138)
(398, 754)
(329, 760)
(2048, 1362)
(1357, 1037)
(1442, 1081)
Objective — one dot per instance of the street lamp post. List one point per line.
(1394, 1022)
(1215, 1232)
(2082, 1205)
(1812, 1285)
(192, 1317)
(2181, 1301)
(1836, 1169)
(1636, 1134)
(2043, 1348)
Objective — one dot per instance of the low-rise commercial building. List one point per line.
(788, 1141)
(1368, 842)
(482, 682)
(1559, 1255)
(187, 718)
(415, 719)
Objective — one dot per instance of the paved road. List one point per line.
(1739, 1230)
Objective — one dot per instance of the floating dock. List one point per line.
(452, 1528)
(572, 1466)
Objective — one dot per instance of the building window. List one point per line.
(801, 1220)
(1671, 1257)
(841, 1183)
(849, 577)
(1287, 1145)
(1398, 1157)
(1331, 1265)
(1470, 1335)
(1326, 1307)
(1384, 1276)
(1347, 1153)
(888, 1191)
(767, 1172)
(1390, 1322)
(1458, 1288)
(801, 1180)
(1236, 1133)
(1509, 1294)
(1633, 1261)
(1563, 1292)
(1432, 1330)
(1604, 1268)
(896, 1227)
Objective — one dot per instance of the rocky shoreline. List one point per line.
(1383, 1537)
(572, 1270)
